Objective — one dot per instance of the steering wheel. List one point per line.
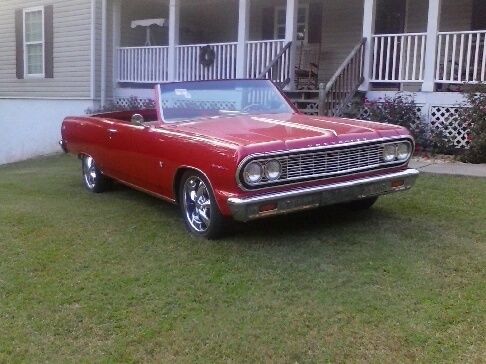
(250, 107)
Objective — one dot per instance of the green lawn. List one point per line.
(114, 277)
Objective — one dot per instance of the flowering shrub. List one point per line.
(134, 103)
(403, 110)
(474, 115)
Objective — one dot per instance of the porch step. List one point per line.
(305, 101)
(302, 94)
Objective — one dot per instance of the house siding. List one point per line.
(342, 29)
(456, 15)
(417, 14)
(72, 63)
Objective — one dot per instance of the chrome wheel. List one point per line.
(197, 204)
(90, 172)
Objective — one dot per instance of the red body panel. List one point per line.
(150, 157)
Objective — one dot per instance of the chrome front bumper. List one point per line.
(307, 198)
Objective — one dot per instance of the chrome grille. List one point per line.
(324, 163)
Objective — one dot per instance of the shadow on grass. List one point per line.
(296, 225)
(312, 222)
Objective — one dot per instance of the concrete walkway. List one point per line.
(448, 167)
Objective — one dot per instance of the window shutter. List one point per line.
(268, 23)
(19, 42)
(49, 41)
(315, 23)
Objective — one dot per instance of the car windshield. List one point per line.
(188, 101)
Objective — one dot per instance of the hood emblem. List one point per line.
(355, 140)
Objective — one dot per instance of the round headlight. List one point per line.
(389, 152)
(403, 151)
(253, 173)
(272, 170)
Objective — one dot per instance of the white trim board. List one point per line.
(46, 98)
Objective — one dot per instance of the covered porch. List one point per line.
(434, 45)
(376, 45)
(203, 40)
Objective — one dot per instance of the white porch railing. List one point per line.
(150, 64)
(461, 57)
(189, 67)
(260, 54)
(142, 64)
(398, 57)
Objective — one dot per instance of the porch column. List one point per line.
(291, 36)
(368, 31)
(174, 16)
(433, 23)
(116, 34)
(243, 31)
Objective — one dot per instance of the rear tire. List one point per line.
(364, 204)
(93, 179)
(199, 208)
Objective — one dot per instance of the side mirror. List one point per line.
(137, 119)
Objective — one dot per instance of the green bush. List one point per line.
(474, 115)
(402, 110)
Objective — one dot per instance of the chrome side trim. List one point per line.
(244, 209)
(144, 190)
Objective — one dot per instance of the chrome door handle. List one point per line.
(112, 131)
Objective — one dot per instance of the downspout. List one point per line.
(104, 12)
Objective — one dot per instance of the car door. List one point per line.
(134, 154)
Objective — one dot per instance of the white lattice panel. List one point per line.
(446, 118)
(311, 109)
(134, 102)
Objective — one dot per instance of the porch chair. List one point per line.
(307, 68)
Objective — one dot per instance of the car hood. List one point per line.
(288, 131)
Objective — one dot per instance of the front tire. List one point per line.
(199, 208)
(93, 179)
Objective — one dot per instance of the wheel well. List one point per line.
(177, 181)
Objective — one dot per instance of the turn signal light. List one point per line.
(267, 207)
(398, 183)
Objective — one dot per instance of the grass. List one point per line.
(115, 278)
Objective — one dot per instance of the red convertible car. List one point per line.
(238, 149)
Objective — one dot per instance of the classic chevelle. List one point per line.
(238, 148)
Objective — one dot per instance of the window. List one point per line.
(34, 46)
(302, 22)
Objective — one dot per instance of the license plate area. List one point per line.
(300, 203)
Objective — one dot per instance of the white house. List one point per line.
(60, 57)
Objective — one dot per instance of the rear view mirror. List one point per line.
(137, 119)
